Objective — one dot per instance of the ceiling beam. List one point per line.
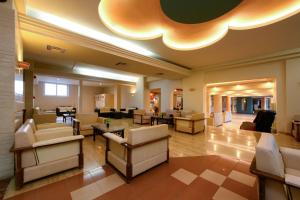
(36, 26)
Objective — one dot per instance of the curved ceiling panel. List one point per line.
(144, 20)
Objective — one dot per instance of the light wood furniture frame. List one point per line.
(192, 121)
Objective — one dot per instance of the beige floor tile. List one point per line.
(184, 176)
(213, 177)
(97, 188)
(224, 194)
(242, 178)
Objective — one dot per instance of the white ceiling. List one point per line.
(52, 79)
(235, 46)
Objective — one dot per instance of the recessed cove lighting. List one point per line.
(104, 74)
(87, 32)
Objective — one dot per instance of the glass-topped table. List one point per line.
(99, 129)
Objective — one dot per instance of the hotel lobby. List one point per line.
(158, 99)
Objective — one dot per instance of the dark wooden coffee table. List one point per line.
(99, 129)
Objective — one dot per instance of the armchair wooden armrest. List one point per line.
(76, 127)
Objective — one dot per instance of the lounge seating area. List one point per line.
(143, 149)
(277, 169)
(40, 153)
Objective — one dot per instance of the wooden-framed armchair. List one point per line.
(192, 124)
(277, 169)
(37, 157)
(143, 149)
(141, 117)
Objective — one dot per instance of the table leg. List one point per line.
(94, 134)
(122, 133)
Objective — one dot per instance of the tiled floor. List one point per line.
(157, 183)
(224, 141)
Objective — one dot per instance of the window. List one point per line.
(18, 87)
(53, 89)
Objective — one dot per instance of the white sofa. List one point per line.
(276, 168)
(143, 149)
(49, 132)
(37, 157)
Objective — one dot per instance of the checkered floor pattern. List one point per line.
(184, 178)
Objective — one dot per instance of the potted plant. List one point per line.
(107, 122)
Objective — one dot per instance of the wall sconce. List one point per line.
(22, 65)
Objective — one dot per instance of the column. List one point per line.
(140, 95)
(263, 103)
(7, 93)
(28, 90)
(228, 104)
(117, 97)
(217, 103)
(80, 97)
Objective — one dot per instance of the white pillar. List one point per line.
(80, 97)
(7, 93)
(117, 97)
(140, 95)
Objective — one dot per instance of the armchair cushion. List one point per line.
(291, 158)
(143, 134)
(115, 138)
(56, 149)
(268, 157)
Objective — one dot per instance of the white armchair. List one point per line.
(143, 149)
(277, 169)
(141, 117)
(37, 157)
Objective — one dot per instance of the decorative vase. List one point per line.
(107, 125)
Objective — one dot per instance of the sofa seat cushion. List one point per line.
(292, 180)
(50, 125)
(85, 127)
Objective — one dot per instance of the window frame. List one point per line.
(56, 91)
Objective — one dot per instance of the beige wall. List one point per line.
(52, 102)
(286, 75)
(167, 88)
(88, 99)
(292, 88)
(127, 96)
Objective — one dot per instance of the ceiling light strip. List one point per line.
(87, 32)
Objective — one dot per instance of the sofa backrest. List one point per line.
(186, 113)
(139, 111)
(144, 134)
(197, 116)
(268, 157)
(87, 118)
(24, 136)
